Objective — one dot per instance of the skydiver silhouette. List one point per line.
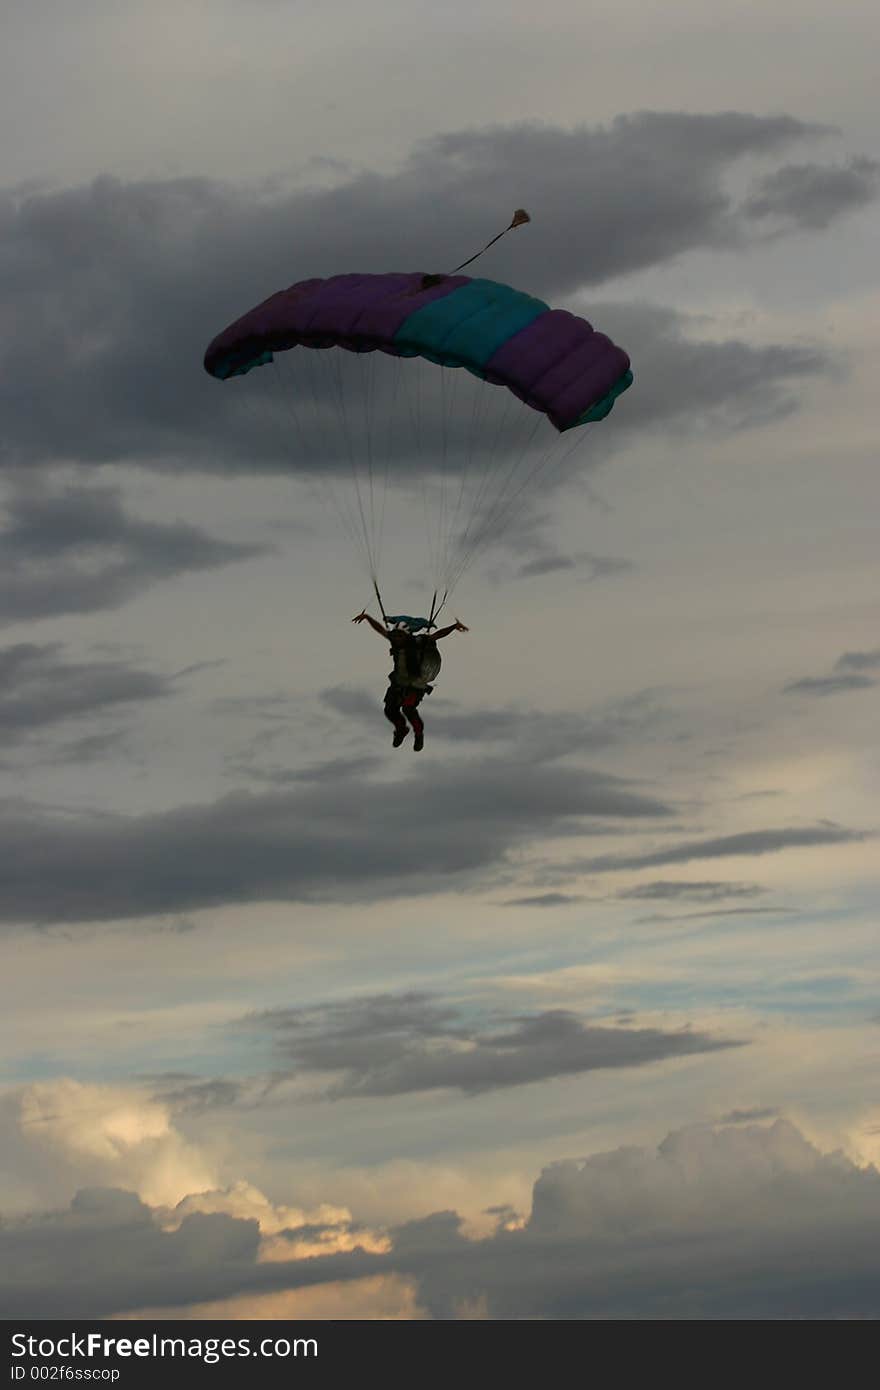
(416, 662)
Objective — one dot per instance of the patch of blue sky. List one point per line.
(837, 997)
(32, 1066)
(94, 1062)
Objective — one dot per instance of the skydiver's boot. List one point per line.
(400, 733)
(419, 740)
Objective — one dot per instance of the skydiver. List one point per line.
(407, 685)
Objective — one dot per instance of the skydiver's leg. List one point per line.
(412, 714)
(394, 715)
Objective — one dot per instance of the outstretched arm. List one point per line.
(364, 617)
(453, 627)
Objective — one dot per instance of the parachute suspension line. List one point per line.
(479, 392)
(286, 393)
(501, 516)
(544, 459)
(441, 474)
(493, 454)
(558, 461)
(431, 446)
(395, 381)
(414, 412)
(327, 386)
(447, 416)
(352, 457)
(504, 511)
(289, 394)
(368, 433)
(309, 370)
(519, 217)
(499, 501)
(488, 495)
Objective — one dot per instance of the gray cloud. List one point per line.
(848, 674)
(92, 748)
(859, 661)
(769, 910)
(131, 1261)
(814, 195)
(710, 891)
(191, 1096)
(829, 685)
(687, 383)
(335, 770)
(113, 290)
(440, 716)
(714, 1223)
(537, 737)
(305, 843)
(393, 1044)
(597, 566)
(730, 1222)
(79, 551)
(749, 842)
(734, 1221)
(544, 900)
(39, 688)
(758, 1112)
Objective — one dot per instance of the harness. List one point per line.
(416, 662)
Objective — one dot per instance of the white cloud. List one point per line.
(64, 1134)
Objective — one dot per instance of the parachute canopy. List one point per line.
(381, 387)
(552, 360)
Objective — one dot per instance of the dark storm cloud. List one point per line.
(131, 1261)
(750, 842)
(689, 383)
(706, 892)
(814, 195)
(39, 688)
(730, 1222)
(848, 674)
(110, 292)
(348, 838)
(733, 1221)
(79, 551)
(394, 1044)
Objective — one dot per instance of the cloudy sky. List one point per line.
(574, 1014)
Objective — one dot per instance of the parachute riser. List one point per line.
(380, 603)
